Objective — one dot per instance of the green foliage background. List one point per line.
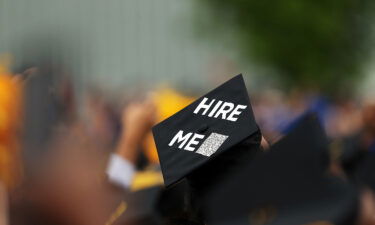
(309, 43)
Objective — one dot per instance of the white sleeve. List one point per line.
(120, 171)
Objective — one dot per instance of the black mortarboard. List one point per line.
(307, 141)
(204, 130)
(286, 185)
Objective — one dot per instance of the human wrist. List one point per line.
(127, 148)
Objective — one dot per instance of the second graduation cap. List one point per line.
(286, 185)
(203, 130)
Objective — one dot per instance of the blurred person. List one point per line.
(352, 149)
(48, 103)
(10, 125)
(345, 119)
(100, 119)
(368, 115)
(137, 120)
(68, 186)
(3, 205)
(356, 141)
(271, 112)
(367, 207)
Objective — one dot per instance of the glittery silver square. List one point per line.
(211, 144)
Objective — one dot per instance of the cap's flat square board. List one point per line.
(204, 129)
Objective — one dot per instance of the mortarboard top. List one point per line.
(204, 130)
(285, 185)
(167, 102)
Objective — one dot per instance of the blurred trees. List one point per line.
(308, 43)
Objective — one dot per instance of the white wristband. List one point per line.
(120, 171)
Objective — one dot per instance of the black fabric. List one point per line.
(141, 207)
(366, 171)
(158, 205)
(177, 163)
(286, 185)
(352, 154)
(220, 170)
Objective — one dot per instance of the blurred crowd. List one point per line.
(55, 146)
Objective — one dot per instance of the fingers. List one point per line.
(142, 111)
(138, 118)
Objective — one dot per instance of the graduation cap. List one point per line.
(286, 185)
(204, 130)
(307, 142)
